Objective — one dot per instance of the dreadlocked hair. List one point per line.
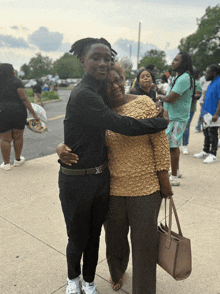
(80, 47)
(186, 67)
(215, 68)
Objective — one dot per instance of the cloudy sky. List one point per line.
(51, 27)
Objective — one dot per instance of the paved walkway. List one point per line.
(33, 238)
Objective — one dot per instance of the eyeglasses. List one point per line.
(118, 81)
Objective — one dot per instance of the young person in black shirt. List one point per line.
(37, 92)
(145, 80)
(84, 187)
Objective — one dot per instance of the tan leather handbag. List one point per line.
(174, 254)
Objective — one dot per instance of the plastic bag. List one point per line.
(41, 113)
(37, 127)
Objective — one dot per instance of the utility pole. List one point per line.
(139, 37)
(130, 51)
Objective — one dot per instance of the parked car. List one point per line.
(63, 83)
(30, 83)
(24, 82)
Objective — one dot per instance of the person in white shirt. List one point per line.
(163, 87)
(202, 79)
(205, 85)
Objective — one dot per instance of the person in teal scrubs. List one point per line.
(177, 102)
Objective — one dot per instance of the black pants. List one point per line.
(140, 213)
(85, 201)
(211, 140)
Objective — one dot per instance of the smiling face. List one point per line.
(115, 88)
(97, 61)
(145, 80)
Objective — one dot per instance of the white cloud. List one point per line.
(46, 40)
(12, 42)
(161, 23)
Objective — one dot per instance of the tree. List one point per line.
(68, 66)
(204, 44)
(26, 69)
(37, 67)
(154, 57)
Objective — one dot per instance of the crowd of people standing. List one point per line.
(182, 108)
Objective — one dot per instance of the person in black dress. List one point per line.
(13, 115)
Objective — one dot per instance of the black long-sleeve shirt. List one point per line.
(37, 88)
(88, 117)
(151, 94)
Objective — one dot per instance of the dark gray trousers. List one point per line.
(140, 213)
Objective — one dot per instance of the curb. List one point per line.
(49, 101)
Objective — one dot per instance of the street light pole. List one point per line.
(130, 53)
(139, 37)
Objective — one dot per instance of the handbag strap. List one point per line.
(172, 206)
(176, 217)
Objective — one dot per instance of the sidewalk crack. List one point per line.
(32, 235)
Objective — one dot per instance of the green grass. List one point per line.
(49, 95)
(63, 88)
(29, 92)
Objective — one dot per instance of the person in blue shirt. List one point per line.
(177, 102)
(211, 106)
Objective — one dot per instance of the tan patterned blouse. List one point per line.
(134, 161)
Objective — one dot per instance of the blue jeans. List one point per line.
(186, 133)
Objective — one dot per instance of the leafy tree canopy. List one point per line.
(68, 66)
(155, 57)
(37, 67)
(204, 44)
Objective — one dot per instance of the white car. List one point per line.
(30, 83)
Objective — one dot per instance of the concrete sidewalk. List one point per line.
(33, 234)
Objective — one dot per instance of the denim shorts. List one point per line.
(175, 132)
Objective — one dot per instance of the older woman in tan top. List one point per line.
(139, 177)
(139, 172)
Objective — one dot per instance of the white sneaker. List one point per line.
(5, 166)
(89, 288)
(174, 181)
(19, 162)
(185, 151)
(73, 286)
(210, 159)
(179, 175)
(201, 154)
